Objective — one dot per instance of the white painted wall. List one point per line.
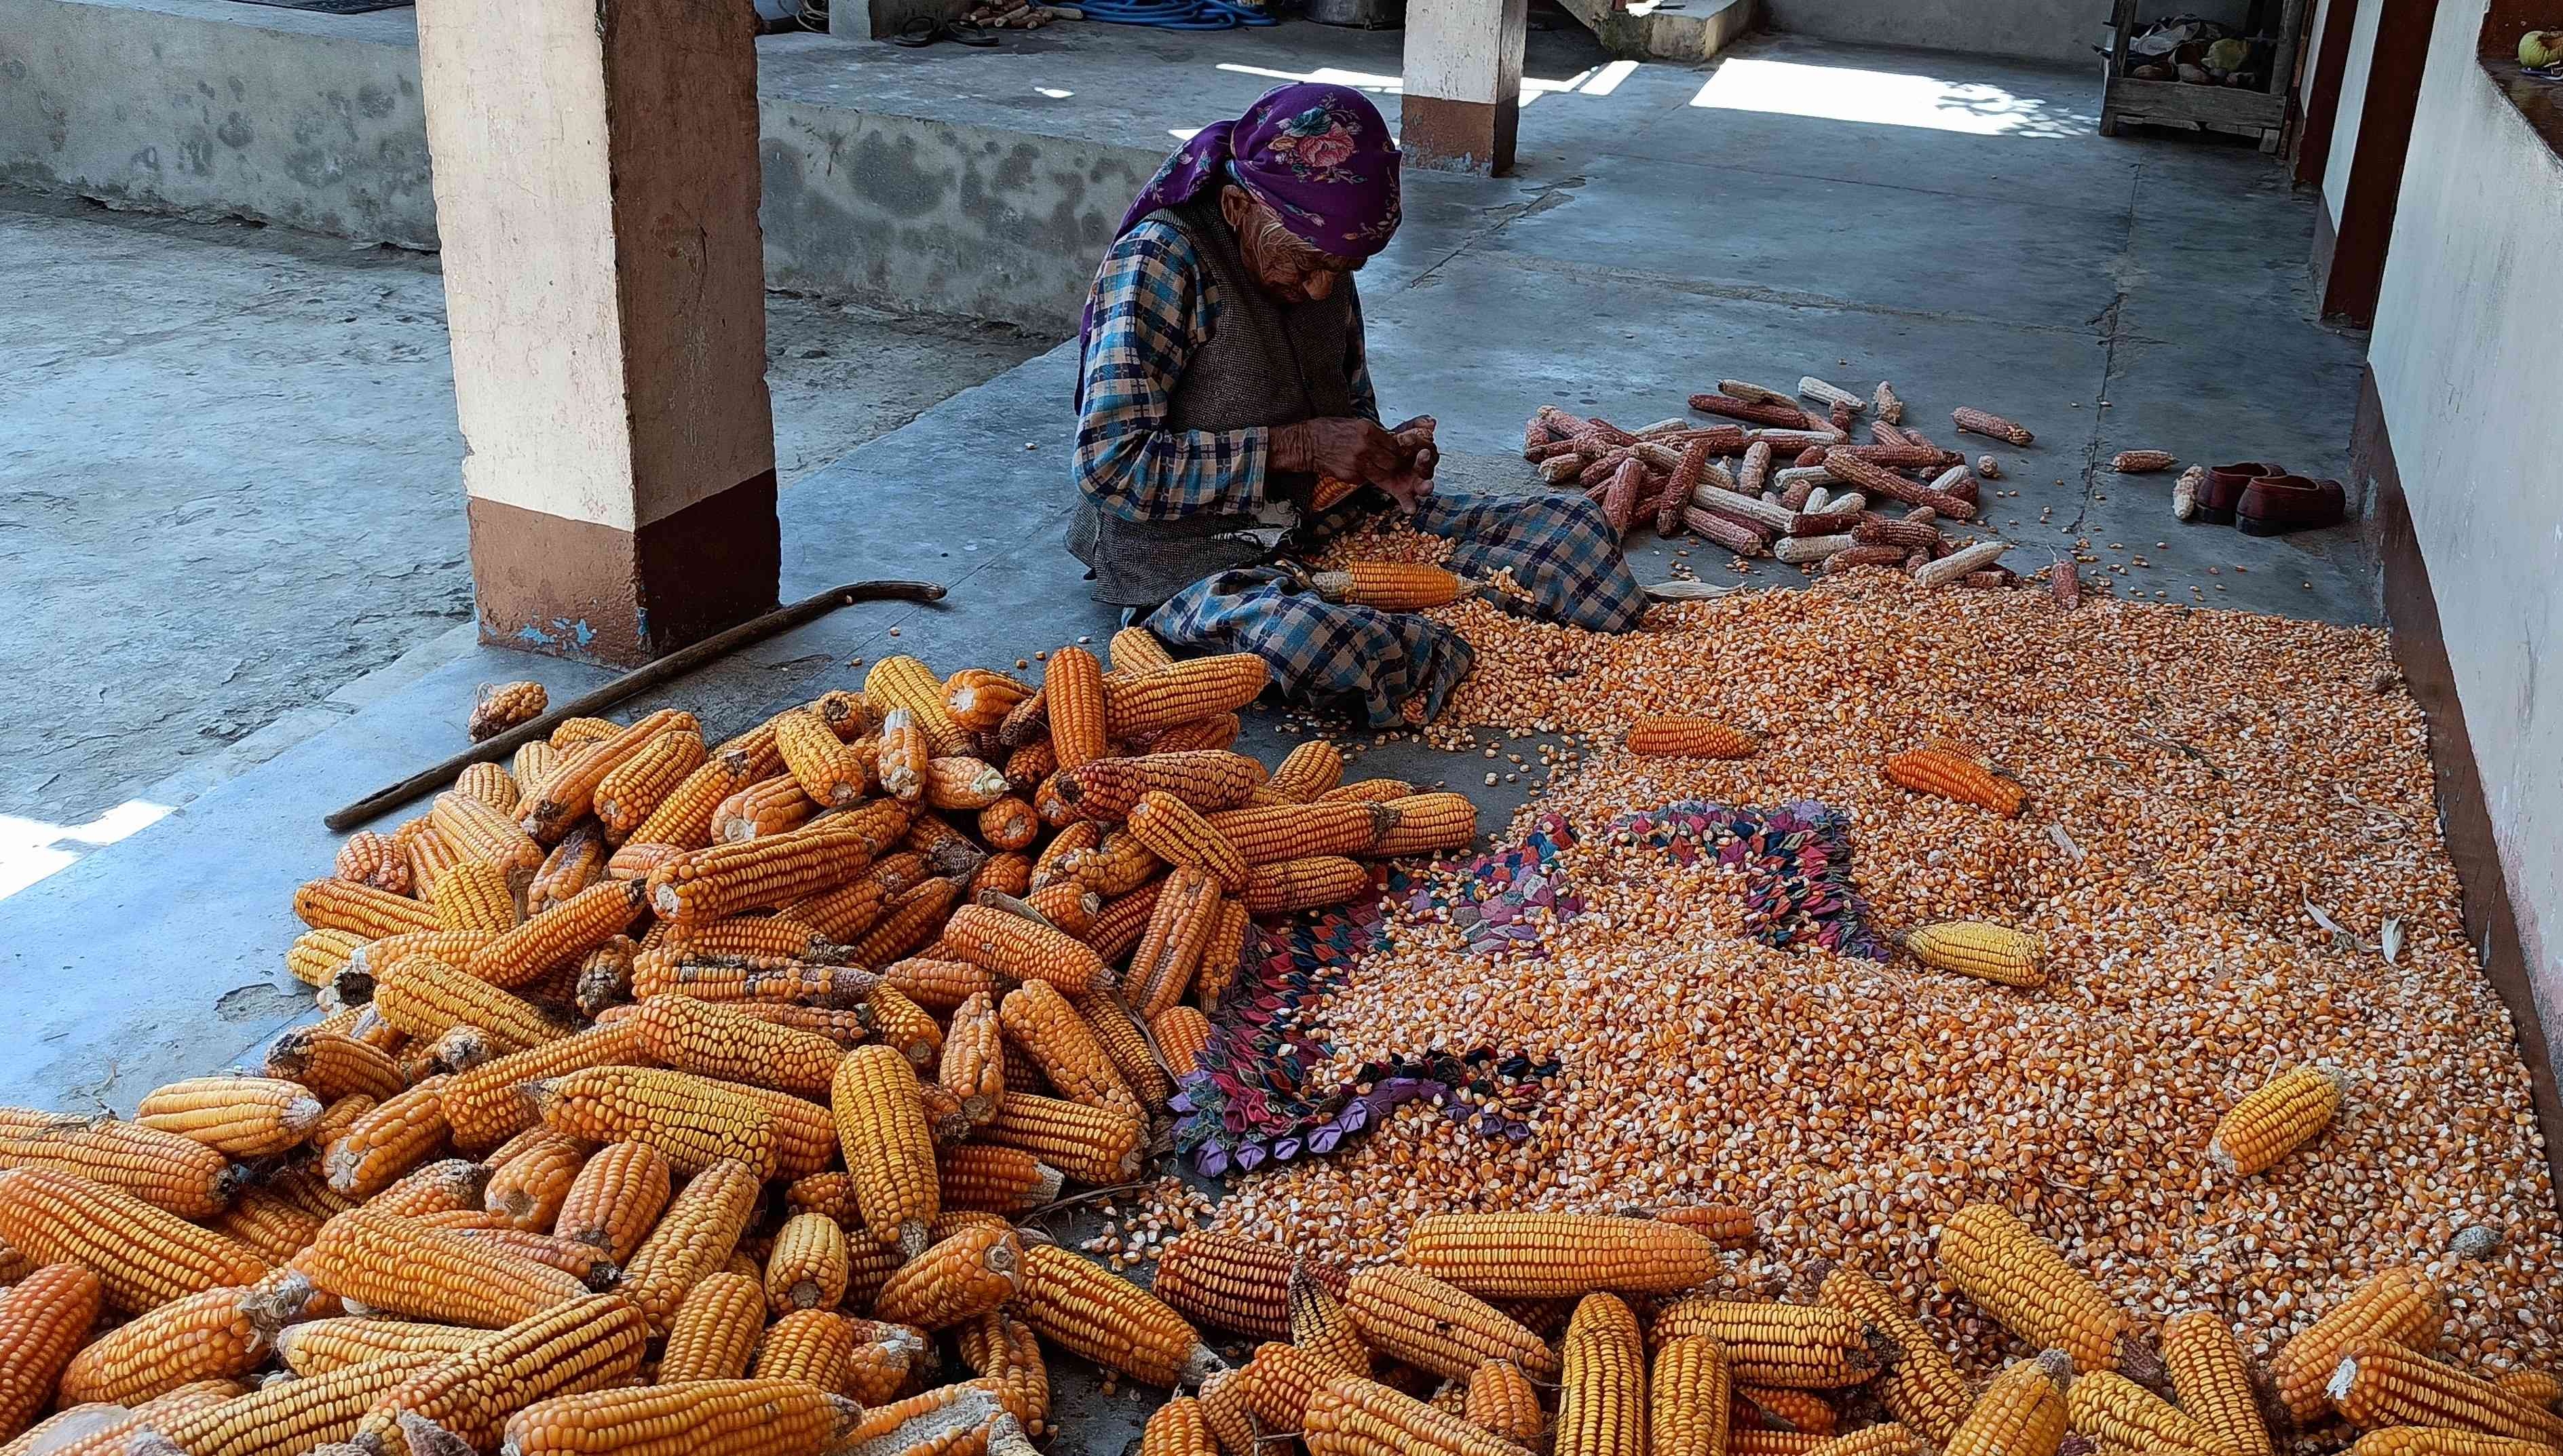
(2469, 369)
(2353, 100)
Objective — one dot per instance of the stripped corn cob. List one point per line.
(2116, 1411)
(902, 756)
(2142, 461)
(1950, 776)
(2021, 1280)
(2213, 1379)
(166, 1170)
(1409, 1315)
(2383, 1383)
(1688, 738)
(714, 1331)
(1921, 1388)
(1980, 948)
(1687, 1401)
(1196, 689)
(584, 1345)
(143, 1256)
(2022, 1413)
(1228, 1282)
(726, 879)
(695, 1120)
(968, 1274)
(693, 1240)
(1354, 1416)
(711, 1039)
(1559, 1255)
(997, 1178)
(1088, 1143)
(1977, 422)
(1109, 1320)
(43, 1320)
(2279, 1117)
(886, 1146)
(1021, 950)
(1308, 883)
(2412, 1440)
(963, 1419)
(689, 1418)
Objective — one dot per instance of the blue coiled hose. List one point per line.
(1190, 15)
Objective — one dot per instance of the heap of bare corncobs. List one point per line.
(1803, 490)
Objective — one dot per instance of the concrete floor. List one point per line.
(276, 414)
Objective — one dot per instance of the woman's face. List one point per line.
(1288, 267)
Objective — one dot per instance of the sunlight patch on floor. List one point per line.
(1889, 98)
(30, 849)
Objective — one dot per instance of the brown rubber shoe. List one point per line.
(2223, 492)
(2274, 505)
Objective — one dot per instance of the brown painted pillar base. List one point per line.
(576, 589)
(1459, 136)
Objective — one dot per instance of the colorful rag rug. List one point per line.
(1796, 862)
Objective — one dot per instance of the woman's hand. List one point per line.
(1345, 447)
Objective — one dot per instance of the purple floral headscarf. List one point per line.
(1320, 156)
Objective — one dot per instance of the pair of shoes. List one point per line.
(925, 30)
(2274, 505)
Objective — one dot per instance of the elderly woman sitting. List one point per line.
(1223, 373)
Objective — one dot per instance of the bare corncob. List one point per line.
(2413, 1440)
(1354, 1416)
(318, 1346)
(376, 861)
(2021, 1280)
(484, 1106)
(1977, 422)
(909, 921)
(1977, 948)
(1088, 1143)
(1021, 950)
(2022, 1413)
(688, 1418)
(2142, 461)
(1308, 883)
(475, 895)
(724, 879)
(1409, 1315)
(1688, 738)
(1196, 689)
(530, 1187)
(695, 1120)
(2282, 1115)
(143, 1256)
(361, 910)
(1109, 1320)
(997, 1178)
(447, 1185)
(286, 1418)
(2382, 1383)
(1794, 1346)
(692, 1240)
(427, 997)
(710, 1039)
(1559, 1255)
(1952, 775)
(1922, 1387)
(1427, 823)
(163, 1169)
(887, 1147)
(966, 1275)
(395, 1265)
(714, 1331)
(43, 1320)
(2213, 1379)
(584, 1345)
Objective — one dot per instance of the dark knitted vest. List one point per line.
(1265, 363)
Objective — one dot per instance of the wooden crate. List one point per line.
(2260, 114)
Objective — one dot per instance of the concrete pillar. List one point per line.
(1462, 93)
(596, 190)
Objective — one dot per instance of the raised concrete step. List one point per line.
(1666, 30)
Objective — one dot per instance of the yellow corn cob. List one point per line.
(1120, 1035)
(711, 1039)
(484, 1105)
(1222, 956)
(1072, 696)
(1219, 731)
(724, 879)
(999, 1179)
(490, 782)
(904, 1027)
(1038, 1019)
(902, 755)
(2213, 1379)
(1309, 883)
(143, 1256)
(2282, 1115)
(448, 1185)
(1019, 949)
(567, 794)
(1559, 1255)
(504, 706)
(557, 936)
(427, 997)
(270, 1221)
(282, 1419)
(1409, 1315)
(1269, 834)
(970, 1273)
(2442, 1442)
(1354, 1416)
(2382, 1383)
(963, 1419)
(1953, 775)
(1368, 791)
(43, 1320)
(318, 955)
(397, 1267)
(318, 1346)
(1775, 1408)
(1201, 779)
(979, 698)
(1181, 1034)
(1794, 1346)
(888, 1357)
(533, 760)
(1976, 948)
(1503, 1403)
(374, 860)
(1688, 738)
(1921, 1388)
(684, 817)
(1136, 649)
(1001, 1347)
(1228, 1283)
(887, 1147)
(576, 862)
(910, 921)
(2022, 1413)
(2020, 1279)
(395, 1137)
(691, 1419)
(1427, 823)
(584, 1345)
(972, 1064)
(693, 1240)
(1311, 768)
(1281, 1380)
(1602, 1394)
(476, 831)
(1119, 866)
(2116, 1411)
(361, 910)
(715, 1332)
(1196, 689)
(337, 1118)
(1687, 1401)
(807, 1268)
(1109, 1320)
(1177, 1428)
(530, 1189)
(632, 790)
(815, 1345)
(1091, 1145)
(87, 1431)
(163, 1169)
(963, 782)
(826, 768)
(430, 858)
(1392, 585)
(905, 682)
(1891, 1440)
(330, 1065)
(695, 1120)
(2537, 1387)
(584, 1262)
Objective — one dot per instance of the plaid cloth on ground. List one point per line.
(1358, 659)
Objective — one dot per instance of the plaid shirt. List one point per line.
(1154, 303)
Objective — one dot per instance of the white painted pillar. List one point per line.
(596, 188)
(1462, 91)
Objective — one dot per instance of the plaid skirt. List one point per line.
(1388, 667)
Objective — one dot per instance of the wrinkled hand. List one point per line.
(1345, 447)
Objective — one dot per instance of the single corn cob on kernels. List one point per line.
(166, 1170)
(968, 1274)
(2382, 1383)
(1354, 1416)
(1409, 1315)
(1950, 776)
(691, 1419)
(393, 1265)
(2402, 1306)
(1109, 1320)
(1688, 738)
(1921, 1388)
(1559, 1255)
(2412, 1440)
(583, 1345)
(2213, 1379)
(2281, 1116)
(1979, 949)
(2022, 1413)
(1427, 823)
(1602, 1388)
(2117, 1412)
(887, 1147)
(1686, 1409)
(1392, 585)
(2021, 1280)
(693, 1240)
(695, 1120)
(44, 1318)
(143, 1256)
(1795, 1347)
(1228, 1282)
(1000, 1179)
